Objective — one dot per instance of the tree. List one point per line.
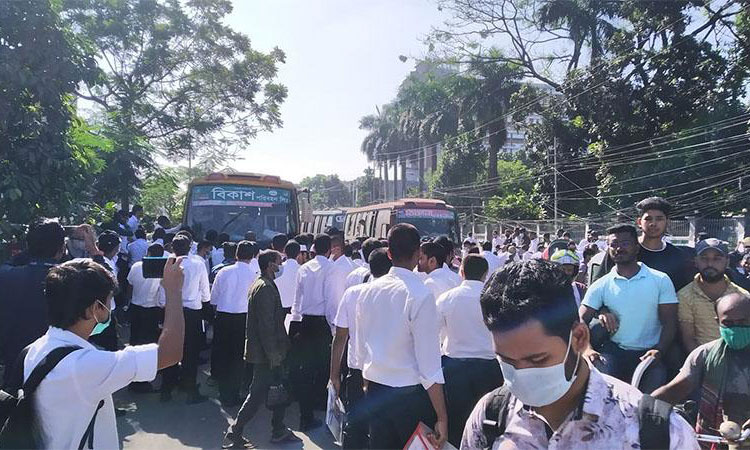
(174, 80)
(47, 154)
(367, 188)
(161, 194)
(518, 206)
(327, 191)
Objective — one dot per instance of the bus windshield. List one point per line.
(237, 209)
(430, 223)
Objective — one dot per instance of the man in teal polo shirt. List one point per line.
(642, 317)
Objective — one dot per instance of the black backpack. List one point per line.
(18, 424)
(653, 415)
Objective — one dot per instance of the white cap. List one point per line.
(303, 248)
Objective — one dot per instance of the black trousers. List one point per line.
(187, 373)
(262, 379)
(395, 412)
(356, 427)
(144, 324)
(466, 381)
(227, 351)
(310, 358)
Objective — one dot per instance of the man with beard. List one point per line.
(698, 299)
(642, 317)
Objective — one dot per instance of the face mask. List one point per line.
(539, 386)
(279, 271)
(737, 337)
(101, 326)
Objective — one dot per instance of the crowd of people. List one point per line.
(519, 339)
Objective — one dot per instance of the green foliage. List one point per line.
(462, 162)
(174, 79)
(47, 155)
(367, 186)
(519, 205)
(326, 191)
(161, 194)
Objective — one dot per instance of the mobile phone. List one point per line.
(153, 266)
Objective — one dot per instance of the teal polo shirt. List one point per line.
(635, 302)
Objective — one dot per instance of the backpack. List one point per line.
(18, 424)
(653, 416)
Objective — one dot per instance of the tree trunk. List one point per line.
(420, 164)
(403, 177)
(384, 164)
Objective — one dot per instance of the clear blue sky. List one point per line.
(342, 60)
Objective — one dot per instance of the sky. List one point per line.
(342, 59)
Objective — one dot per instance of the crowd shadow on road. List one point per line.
(150, 423)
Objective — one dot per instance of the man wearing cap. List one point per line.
(697, 312)
(569, 263)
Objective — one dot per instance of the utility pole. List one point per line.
(554, 169)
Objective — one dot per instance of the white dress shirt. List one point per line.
(493, 262)
(357, 276)
(451, 274)
(69, 395)
(217, 257)
(133, 222)
(462, 330)
(309, 299)
(346, 318)
(497, 241)
(195, 289)
(287, 282)
(254, 265)
(334, 285)
(439, 281)
(396, 331)
(231, 288)
(145, 290)
(137, 250)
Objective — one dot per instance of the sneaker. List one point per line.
(311, 424)
(232, 440)
(284, 436)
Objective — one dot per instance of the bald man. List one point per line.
(720, 370)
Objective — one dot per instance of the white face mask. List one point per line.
(539, 386)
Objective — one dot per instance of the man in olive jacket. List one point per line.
(266, 346)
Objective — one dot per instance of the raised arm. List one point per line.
(173, 332)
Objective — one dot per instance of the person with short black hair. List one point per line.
(493, 262)
(279, 242)
(217, 254)
(355, 428)
(229, 253)
(642, 317)
(469, 364)
(397, 345)
(530, 310)
(195, 292)
(108, 244)
(229, 297)
(23, 307)
(251, 236)
(138, 248)
(134, 220)
(310, 334)
(286, 282)
(266, 348)
(203, 252)
(145, 313)
(359, 274)
(73, 403)
(439, 278)
(450, 253)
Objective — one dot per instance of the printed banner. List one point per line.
(424, 214)
(233, 195)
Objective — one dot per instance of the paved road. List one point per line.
(150, 424)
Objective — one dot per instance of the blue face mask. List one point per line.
(101, 326)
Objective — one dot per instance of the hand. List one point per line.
(438, 437)
(610, 322)
(173, 276)
(592, 355)
(653, 352)
(336, 386)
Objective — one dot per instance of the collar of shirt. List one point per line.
(472, 284)
(402, 273)
(292, 263)
(67, 337)
(697, 282)
(319, 262)
(642, 273)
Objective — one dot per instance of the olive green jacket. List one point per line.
(266, 340)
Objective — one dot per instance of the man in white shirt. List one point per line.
(145, 313)
(469, 363)
(217, 254)
(497, 241)
(138, 248)
(396, 333)
(450, 254)
(134, 221)
(229, 295)
(493, 261)
(355, 428)
(108, 244)
(310, 334)
(359, 274)
(439, 278)
(334, 284)
(78, 391)
(287, 280)
(195, 292)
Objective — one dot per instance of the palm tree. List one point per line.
(382, 141)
